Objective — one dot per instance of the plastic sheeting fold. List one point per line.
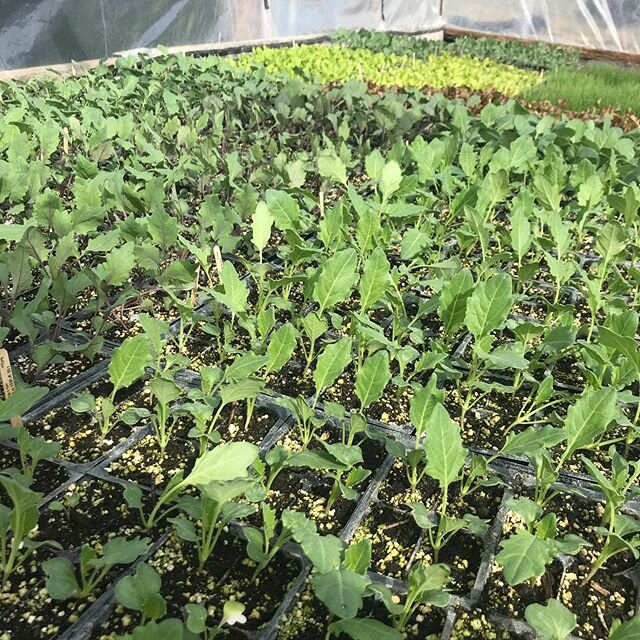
(598, 24)
(43, 32)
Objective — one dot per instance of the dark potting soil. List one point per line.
(307, 492)
(292, 380)
(144, 462)
(203, 350)
(62, 368)
(396, 491)
(392, 408)
(78, 434)
(46, 478)
(394, 538)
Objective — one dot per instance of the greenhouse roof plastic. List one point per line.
(598, 24)
(45, 32)
(41, 32)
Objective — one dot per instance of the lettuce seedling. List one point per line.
(307, 421)
(426, 585)
(207, 515)
(621, 532)
(164, 392)
(338, 462)
(486, 310)
(233, 292)
(33, 449)
(586, 423)
(219, 390)
(372, 376)
(66, 504)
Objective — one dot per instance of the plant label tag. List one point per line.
(8, 384)
(217, 256)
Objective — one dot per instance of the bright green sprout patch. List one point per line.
(594, 85)
(340, 64)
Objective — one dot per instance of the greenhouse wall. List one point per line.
(46, 32)
(599, 24)
(42, 32)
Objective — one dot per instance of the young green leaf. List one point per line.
(235, 292)
(611, 240)
(331, 363)
(244, 365)
(390, 179)
(261, 224)
(524, 556)
(364, 629)
(284, 209)
(281, 347)
(226, 462)
(521, 236)
(141, 592)
(423, 402)
(375, 279)
(443, 445)
(552, 621)
(341, 591)
(588, 419)
(129, 361)
(374, 164)
(61, 580)
(489, 305)
(357, 557)
(519, 444)
(629, 630)
(625, 345)
(330, 166)
(336, 279)
(323, 551)
(372, 378)
(19, 402)
(453, 300)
